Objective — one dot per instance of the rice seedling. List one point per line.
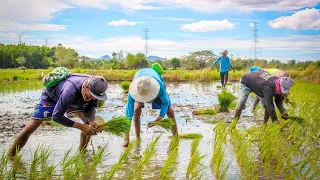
(170, 165)
(195, 167)
(123, 158)
(74, 167)
(3, 164)
(101, 103)
(148, 153)
(189, 136)
(117, 126)
(218, 164)
(99, 156)
(214, 121)
(125, 86)
(165, 123)
(225, 99)
(205, 112)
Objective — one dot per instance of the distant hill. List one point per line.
(105, 57)
(153, 58)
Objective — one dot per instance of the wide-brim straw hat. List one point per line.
(144, 89)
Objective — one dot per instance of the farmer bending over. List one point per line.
(224, 67)
(78, 94)
(148, 86)
(267, 87)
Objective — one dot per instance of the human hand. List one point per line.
(158, 118)
(93, 124)
(284, 115)
(87, 130)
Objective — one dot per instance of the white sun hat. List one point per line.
(144, 89)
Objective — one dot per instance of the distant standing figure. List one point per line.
(224, 67)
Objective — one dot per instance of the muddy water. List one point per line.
(15, 108)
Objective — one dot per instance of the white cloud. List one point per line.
(173, 18)
(208, 25)
(307, 19)
(13, 26)
(122, 22)
(251, 24)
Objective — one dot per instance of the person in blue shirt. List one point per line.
(224, 67)
(148, 86)
(78, 94)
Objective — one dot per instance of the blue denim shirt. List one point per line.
(224, 63)
(163, 95)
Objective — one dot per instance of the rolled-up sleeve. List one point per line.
(130, 107)
(65, 100)
(165, 101)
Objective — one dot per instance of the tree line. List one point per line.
(42, 57)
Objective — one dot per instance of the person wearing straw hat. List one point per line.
(148, 86)
(267, 87)
(78, 94)
(224, 67)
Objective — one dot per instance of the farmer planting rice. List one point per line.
(77, 94)
(224, 67)
(267, 87)
(148, 86)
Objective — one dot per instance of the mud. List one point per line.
(16, 109)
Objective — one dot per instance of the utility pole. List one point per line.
(146, 30)
(20, 36)
(46, 42)
(255, 42)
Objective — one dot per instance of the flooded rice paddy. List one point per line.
(16, 109)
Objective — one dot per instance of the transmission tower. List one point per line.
(46, 41)
(255, 50)
(20, 36)
(146, 30)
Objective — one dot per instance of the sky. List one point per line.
(287, 29)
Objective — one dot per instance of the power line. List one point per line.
(46, 41)
(146, 30)
(255, 50)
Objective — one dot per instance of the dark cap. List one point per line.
(97, 87)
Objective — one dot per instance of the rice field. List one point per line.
(208, 147)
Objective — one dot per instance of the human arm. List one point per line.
(268, 97)
(130, 107)
(216, 61)
(229, 63)
(165, 100)
(279, 104)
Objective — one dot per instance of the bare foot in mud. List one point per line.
(126, 144)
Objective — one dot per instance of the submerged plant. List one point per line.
(125, 86)
(148, 153)
(123, 158)
(165, 123)
(117, 126)
(206, 112)
(225, 99)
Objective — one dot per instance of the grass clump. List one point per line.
(165, 123)
(117, 126)
(189, 136)
(205, 112)
(195, 167)
(125, 86)
(170, 165)
(225, 100)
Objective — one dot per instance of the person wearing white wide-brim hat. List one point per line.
(148, 86)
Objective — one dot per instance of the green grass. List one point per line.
(195, 166)
(165, 123)
(170, 164)
(225, 99)
(117, 126)
(125, 86)
(189, 136)
(205, 112)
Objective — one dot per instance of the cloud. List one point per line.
(307, 19)
(251, 24)
(208, 25)
(13, 26)
(173, 18)
(122, 22)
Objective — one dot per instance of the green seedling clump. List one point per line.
(165, 123)
(189, 136)
(117, 126)
(225, 100)
(206, 112)
(125, 86)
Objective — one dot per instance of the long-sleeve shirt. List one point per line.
(163, 95)
(224, 63)
(263, 85)
(68, 94)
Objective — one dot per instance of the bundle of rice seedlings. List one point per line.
(165, 123)
(125, 86)
(116, 126)
(225, 100)
(189, 136)
(206, 112)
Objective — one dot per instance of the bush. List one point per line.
(15, 78)
(225, 100)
